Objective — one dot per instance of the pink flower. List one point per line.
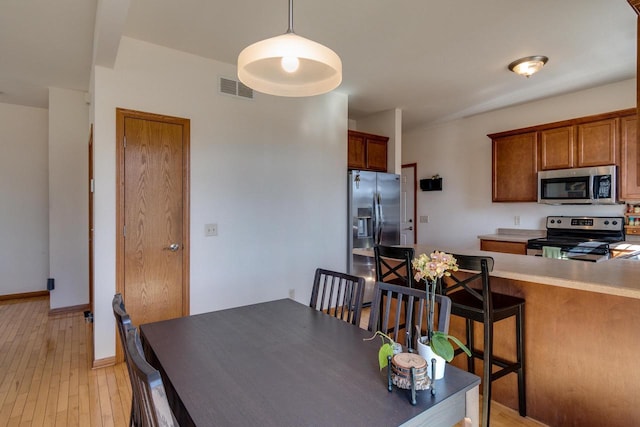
(434, 266)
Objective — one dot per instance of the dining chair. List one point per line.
(338, 294)
(123, 323)
(147, 384)
(472, 298)
(417, 308)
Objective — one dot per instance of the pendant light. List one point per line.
(289, 65)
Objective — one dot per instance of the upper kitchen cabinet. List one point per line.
(629, 159)
(589, 142)
(557, 147)
(367, 151)
(515, 167)
(597, 143)
(600, 140)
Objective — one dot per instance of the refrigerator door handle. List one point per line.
(378, 214)
(375, 220)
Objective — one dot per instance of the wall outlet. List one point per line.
(211, 230)
(424, 219)
(516, 220)
(292, 293)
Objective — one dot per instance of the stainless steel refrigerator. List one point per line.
(374, 219)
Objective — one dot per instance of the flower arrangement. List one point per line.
(432, 268)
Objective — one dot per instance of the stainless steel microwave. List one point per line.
(595, 185)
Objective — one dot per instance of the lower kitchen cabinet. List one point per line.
(518, 248)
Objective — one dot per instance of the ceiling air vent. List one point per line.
(235, 88)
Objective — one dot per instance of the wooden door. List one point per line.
(153, 232)
(91, 259)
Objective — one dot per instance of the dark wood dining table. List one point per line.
(281, 363)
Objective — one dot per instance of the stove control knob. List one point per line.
(559, 221)
(553, 221)
(606, 223)
(614, 223)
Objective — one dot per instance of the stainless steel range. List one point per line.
(582, 238)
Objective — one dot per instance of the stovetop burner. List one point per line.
(577, 245)
(584, 238)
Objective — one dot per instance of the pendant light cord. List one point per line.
(290, 29)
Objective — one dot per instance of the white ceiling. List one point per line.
(434, 59)
(44, 43)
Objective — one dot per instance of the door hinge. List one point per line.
(91, 185)
(124, 141)
(124, 231)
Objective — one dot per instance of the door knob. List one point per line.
(410, 228)
(173, 247)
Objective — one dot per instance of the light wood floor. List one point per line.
(45, 379)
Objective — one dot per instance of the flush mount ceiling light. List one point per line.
(529, 65)
(289, 65)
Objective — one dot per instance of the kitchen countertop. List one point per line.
(619, 277)
(513, 235)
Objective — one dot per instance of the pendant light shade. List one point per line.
(289, 65)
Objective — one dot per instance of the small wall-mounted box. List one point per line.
(431, 184)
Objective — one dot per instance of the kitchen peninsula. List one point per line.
(581, 337)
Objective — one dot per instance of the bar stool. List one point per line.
(393, 265)
(479, 304)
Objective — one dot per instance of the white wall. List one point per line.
(24, 221)
(386, 123)
(68, 198)
(461, 153)
(270, 172)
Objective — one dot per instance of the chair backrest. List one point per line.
(472, 277)
(123, 322)
(148, 387)
(415, 312)
(338, 294)
(393, 265)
